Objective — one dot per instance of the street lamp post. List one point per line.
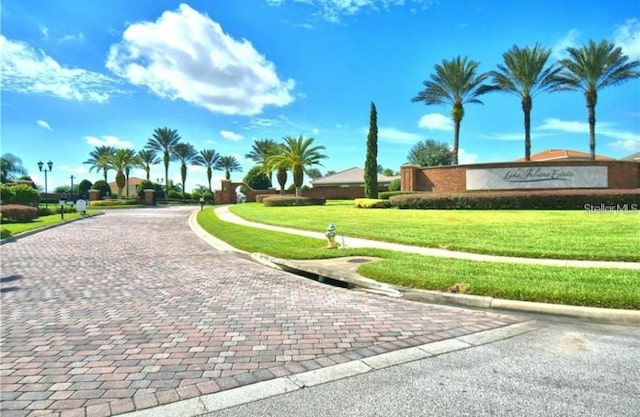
(72, 178)
(45, 169)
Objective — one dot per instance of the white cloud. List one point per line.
(564, 126)
(624, 140)
(78, 37)
(229, 135)
(559, 50)
(627, 36)
(334, 10)
(186, 55)
(108, 141)
(628, 145)
(465, 157)
(394, 135)
(43, 124)
(44, 30)
(436, 121)
(28, 71)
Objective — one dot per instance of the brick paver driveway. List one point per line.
(131, 310)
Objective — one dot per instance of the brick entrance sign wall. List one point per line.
(523, 175)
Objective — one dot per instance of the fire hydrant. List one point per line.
(331, 236)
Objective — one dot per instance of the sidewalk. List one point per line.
(351, 242)
(344, 269)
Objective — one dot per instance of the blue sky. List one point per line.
(79, 74)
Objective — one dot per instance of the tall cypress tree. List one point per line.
(371, 163)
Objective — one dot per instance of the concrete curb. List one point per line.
(199, 406)
(605, 315)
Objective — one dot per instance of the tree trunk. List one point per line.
(282, 179)
(120, 183)
(526, 108)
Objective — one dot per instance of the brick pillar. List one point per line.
(149, 197)
(226, 195)
(94, 195)
(409, 177)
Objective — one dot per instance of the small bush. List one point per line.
(24, 194)
(371, 203)
(287, 201)
(111, 203)
(395, 185)
(175, 194)
(386, 194)
(261, 197)
(6, 194)
(18, 212)
(48, 211)
(103, 187)
(523, 200)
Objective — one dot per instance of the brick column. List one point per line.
(94, 195)
(149, 197)
(409, 177)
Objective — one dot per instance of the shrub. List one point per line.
(261, 197)
(6, 194)
(394, 185)
(111, 203)
(84, 187)
(286, 201)
(25, 195)
(18, 212)
(386, 194)
(524, 200)
(175, 194)
(48, 211)
(371, 203)
(103, 187)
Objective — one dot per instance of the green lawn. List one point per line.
(10, 229)
(557, 234)
(574, 286)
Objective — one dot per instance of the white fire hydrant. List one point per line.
(331, 236)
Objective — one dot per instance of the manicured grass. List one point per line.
(10, 229)
(557, 234)
(574, 286)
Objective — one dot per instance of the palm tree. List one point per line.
(261, 150)
(207, 158)
(10, 168)
(455, 82)
(163, 140)
(228, 164)
(186, 154)
(134, 161)
(121, 161)
(99, 160)
(298, 155)
(525, 74)
(147, 159)
(591, 68)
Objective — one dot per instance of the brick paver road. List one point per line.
(130, 310)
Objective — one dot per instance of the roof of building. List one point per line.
(132, 181)
(564, 154)
(353, 175)
(633, 157)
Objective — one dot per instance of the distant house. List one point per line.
(351, 178)
(564, 155)
(133, 184)
(634, 157)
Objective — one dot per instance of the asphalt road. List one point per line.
(569, 368)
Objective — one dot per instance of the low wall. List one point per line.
(522, 175)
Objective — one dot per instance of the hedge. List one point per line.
(371, 203)
(524, 200)
(285, 201)
(18, 212)
(385, 195)
(110, 203)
